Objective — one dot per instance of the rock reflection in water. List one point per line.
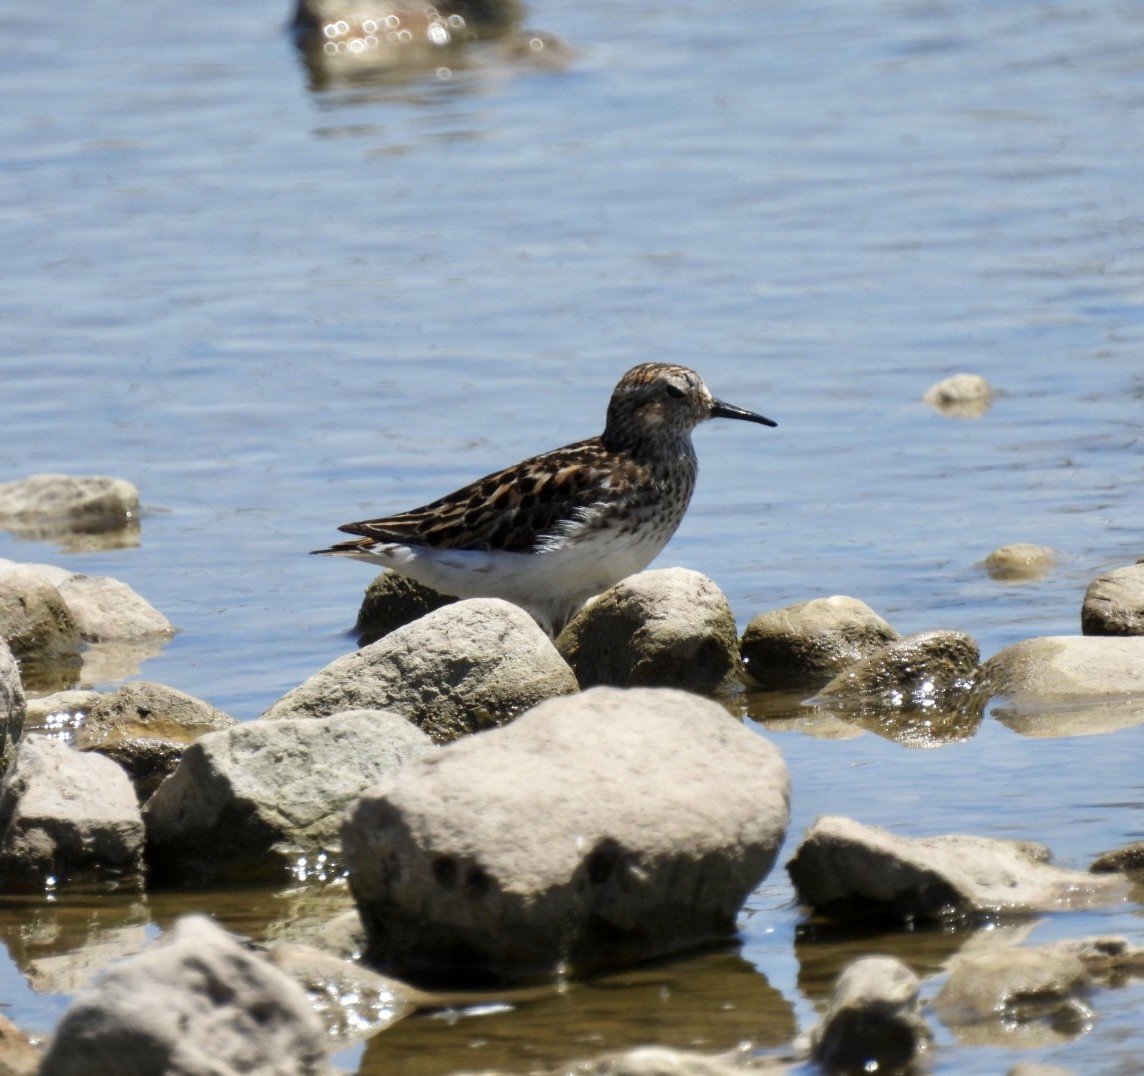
(710, 1003)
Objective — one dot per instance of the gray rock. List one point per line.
(106, 609)
(960, 396)
(66, 815)
(391, 601)
(247, 802)
(13, 705)
(469, 666)
(671, 627)
(195, 1003)
(851, 871)
(34, 619)
(49, 573)
(145, 727)
(87, 502)
(1067, 685)
(1114, 603)
(928, 665)
(1021, 562)
(613, 826)
(873, 1022)
(808, 643)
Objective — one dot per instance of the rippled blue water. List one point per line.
(276, 310)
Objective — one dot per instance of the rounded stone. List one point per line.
(671, 627)
(960, 396)
(808, 643)
(1021, 562)
(1114, 603)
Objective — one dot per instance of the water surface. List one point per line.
(276, 310)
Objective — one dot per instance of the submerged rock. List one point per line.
(873, 1022)
(247, 802)
(996, 995)
(76, 502)
(1067, 685)
(1114, 603)
(145, 727)
(1020, 562)
(195, 1003)
(960, 396)
(807, 644)
(671, 627)
(849, 871)
(469, 666)
(633, 824)
(65, 815)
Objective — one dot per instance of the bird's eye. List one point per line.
(675, 391)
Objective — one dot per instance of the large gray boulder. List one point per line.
(848, 871)
(671, 627)
(469, 666)
(613, 826)
(807, 644)
(66, 815)
(145, 727)
(1114, 603)
(873, 1022)
(196, 1003)
(247, 802)
(13, 705)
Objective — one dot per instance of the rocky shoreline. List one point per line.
(513, 812)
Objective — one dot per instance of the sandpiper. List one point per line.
(554, 530)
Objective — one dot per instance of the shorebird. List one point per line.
(552, 531)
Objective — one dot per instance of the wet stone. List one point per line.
(1114, 603)
(671, 627)
(873, 1022)
(246, 803)
(926, 666)
(807, 644)
(145, 727)
(850, 871)
(1021, 562)
(960, 396)
(66, 815)
(79, 502)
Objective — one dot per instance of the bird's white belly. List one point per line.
(558, 578)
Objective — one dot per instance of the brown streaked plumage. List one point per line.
(552, 531)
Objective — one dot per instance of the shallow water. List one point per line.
(276, 310)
